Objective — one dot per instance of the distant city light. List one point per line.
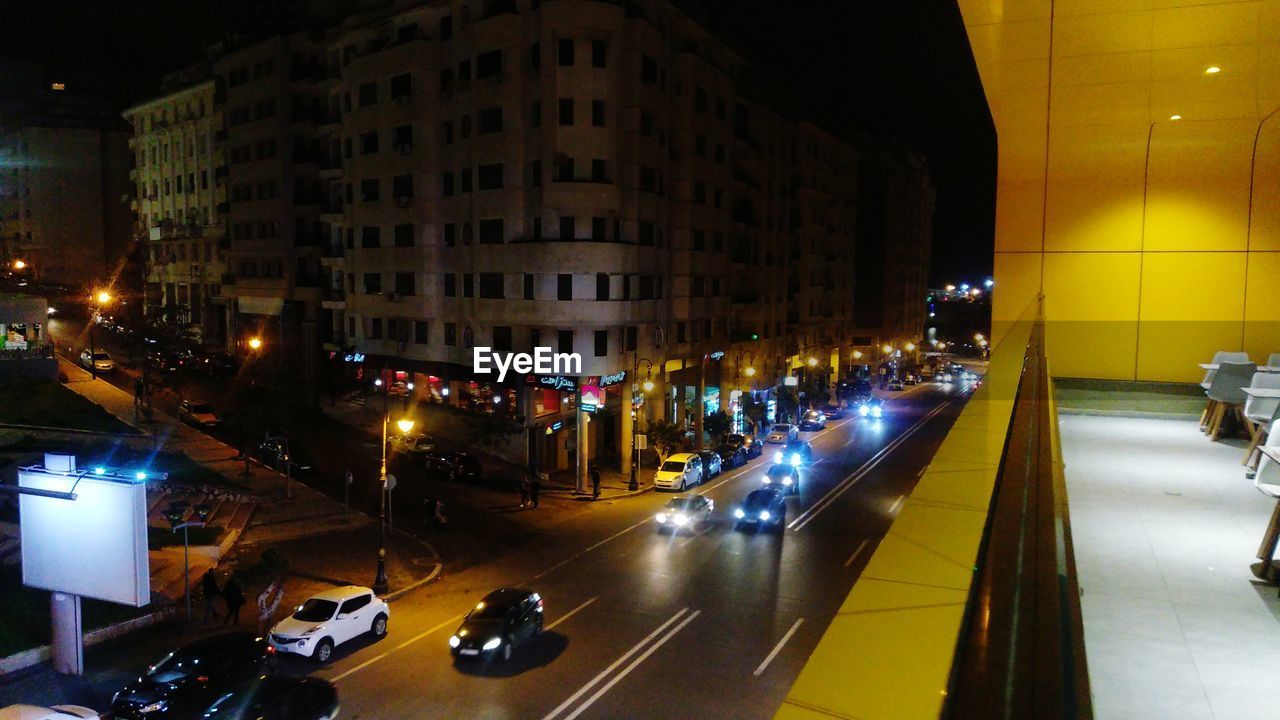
(99, 471)
(887, 349)
(140, 475)
(989, 282)
(376, 383)
(950, 288)
(749, 372)
(19, 264)
(57, 86)
(857, 354)
(910, 346)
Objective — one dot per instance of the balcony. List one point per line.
(171, 232)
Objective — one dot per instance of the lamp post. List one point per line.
(104, 298)
(177, 517)
(634, 483)
(255, 345)
(405, 425)
(747, 370)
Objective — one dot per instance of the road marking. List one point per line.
(603, 673)
(359, 667)
(856, 553)
(580, 553)
(634, 663)
(571, 613)
(893, 509)
(778, 648)
(406, 643)
(834, 493)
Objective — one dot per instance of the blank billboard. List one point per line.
(94, 546)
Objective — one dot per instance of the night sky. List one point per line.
(900, 68)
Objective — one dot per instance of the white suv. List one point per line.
(679, 472)
(329, 619)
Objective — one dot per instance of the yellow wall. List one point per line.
(1136, 227)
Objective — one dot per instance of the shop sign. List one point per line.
(717, 355)
(592, 398)
(353, 357)
(791, 380)
(613, 378)
(553, 382)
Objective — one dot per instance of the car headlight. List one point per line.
(739, 514)
(660, 517)
(768, 480)
(786, 480)
(795, 459)
(778, 457)
(681, 519)
(158, 706)
(454, 641)
(877, 412)
(493, 643)
(863, 410)
(764, 514)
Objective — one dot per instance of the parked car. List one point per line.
(163, 360)
(795, 452)
(895, 383)
(189, 679)
(684, 512)
(911, 379)
(679, 472)
(833, 412)
(813, 420)
(198, 413)
(455, 465)
(732, 456)
(57, 712)
(99, 360)
(943, 376)
(872, 408)
(782, 433)
(276, 453)
(503, 620)
(752, 444)
(328, 619)
(218, 364)
(711, 465)
(418, 444)
(783, 476)
(277, 697)
(762, 508)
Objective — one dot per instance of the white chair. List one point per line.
(1274, 360)
(1268, 478)
(1222, 356)
(1227, 394)
(1260, 413)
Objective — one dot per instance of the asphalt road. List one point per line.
(714, 623)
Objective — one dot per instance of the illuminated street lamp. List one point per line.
(989, 282)
(19, 264)
(910, 347)
(405, 425)
(887, 349)
(634, 483)
(255, 343)
(978, 336)
(749, 372)
(813, 362)
(104, 299)
(857, 354)
(647, 385)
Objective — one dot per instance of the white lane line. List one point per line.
(580, 553)
(893, 509)
(571, 613)
(359, 667)
(410, 641)
(856, 553)
(777, 648)
(834, 493)
(603, 673)
(616, 678)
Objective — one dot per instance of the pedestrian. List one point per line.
(440, 518)
(268, 601)
(524, 488)
(595, 482)
(233, 596)
(209, 586)
(535, 485)
(429, 507)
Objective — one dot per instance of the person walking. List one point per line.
(535, 485)
(595, 482)
(233, 596)
(429, 512)
(268, 601)
(524, 488)
(211, 591)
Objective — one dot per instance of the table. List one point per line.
(1261, 368)
(1266, 570)
(1264, 393)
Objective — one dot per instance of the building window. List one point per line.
(446, 184)
(372, 283)
(564, 341)
(700, 146)
(446, 132)
(489, 64)
(368, 94)
(468, 285)
(566, 111)
(491, 120)
(700, 100)
(648, 179)
(375, 329)
(535, 56)
(404, 235)
(450, 285)
(446, 29)
(564, 169)
(597, 113)
(502, 337)
(491, 286)
(402, 188)
(535, 173)
(646, 124)
(491, 231)
(648, 70)
(489, 177)
(700, 193)
(370, 236)
(564, 286)
(537, 228)
(602, 286)
(567, 230)
(599, 52)
(598, 226)
(465, 177)
(450, 334)
(369, 189)
(406, 284)
(602, 343)
(535, 114)
(699, 240)
(599, 170)
(401, 86)
(450, 234)
(647, 232)
(564, 51)
(402, 138)
(528, 286)
(420, 331)
(632, 334)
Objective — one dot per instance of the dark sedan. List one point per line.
(502, 621)
(833, 412)
(277, 697)
(191, 678)
(796, 451)
(711, 465)
(753, 445)
(732, 456)
(275, 453)
(762, 508)
(455, 465)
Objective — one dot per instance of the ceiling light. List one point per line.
(1175, 117)
(1212, 70)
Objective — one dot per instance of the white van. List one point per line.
(679, 472)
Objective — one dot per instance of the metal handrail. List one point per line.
(1021, 652)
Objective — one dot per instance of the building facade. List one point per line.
(180, 176)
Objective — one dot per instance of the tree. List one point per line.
(753, 410)
(665, 438)
(716, 425)
(490, 430)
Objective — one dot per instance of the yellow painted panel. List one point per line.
(1205, 24)
(1189, 63)
(983, 12)
(1017, 277)
(1102, 34)
(1199, 98)
(1106, 104)
(1262, 308)
(1091, 313)
(1198, 186)
(1265, 233)
(1018, 218)
(1067, 8)
(1192, 306)
(1127, 67)
(1095, 188)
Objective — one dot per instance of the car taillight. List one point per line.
(271, 650)
(202, 678)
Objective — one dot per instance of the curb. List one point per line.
(435, 573)
(37, 655)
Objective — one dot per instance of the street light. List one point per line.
(857, 354)
(910, 347)
(104, 299)
(19, 264)
(813, 361)
(749, 372)
(634, 483)
(380, 579)
(176, 514)
(888, 349)
(255, 343)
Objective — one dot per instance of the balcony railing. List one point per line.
(38, 352)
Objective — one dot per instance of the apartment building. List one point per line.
(64, 187)
(181, 201)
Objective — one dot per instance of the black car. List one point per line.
(276, 453)
(873, 408)
(732, 456)
(797, 449)
(217, 364)
(503, 620)
(762, 508)
(189, 679)
(455, 465)
(711, 464)
(783, 477)
(833, 412)
(813, 420)
(753, 445)
(276, 697)
(163, 360)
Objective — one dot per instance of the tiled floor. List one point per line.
(1165, 527)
